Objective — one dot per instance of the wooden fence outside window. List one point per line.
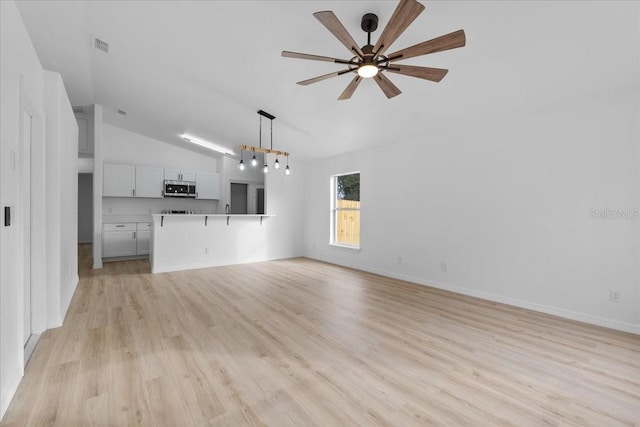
(348, 222)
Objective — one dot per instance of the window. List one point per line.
(345, 210)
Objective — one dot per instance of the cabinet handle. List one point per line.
(134, 191)
(134, 234)
(121, 225)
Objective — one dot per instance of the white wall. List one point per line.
(507, 204)
(20, 74)
(61, 198)
(122, 146)
(17, 58)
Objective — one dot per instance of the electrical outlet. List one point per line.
(443, 266)
(614, 296)
(400, 260)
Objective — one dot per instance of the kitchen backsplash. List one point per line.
(133, 206)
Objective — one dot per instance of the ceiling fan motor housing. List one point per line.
(369, 22)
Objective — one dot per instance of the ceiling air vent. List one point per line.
(101, 45)
(122, 112)
(78, 110)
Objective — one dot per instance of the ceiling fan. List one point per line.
(370, 61)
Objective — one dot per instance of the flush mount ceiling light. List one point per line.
(206, 144)
(370, 61)
(259, 149)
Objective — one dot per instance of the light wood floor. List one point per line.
(299, 342)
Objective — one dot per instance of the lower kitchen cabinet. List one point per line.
(118, 240)
(143, 238)
(126, 239)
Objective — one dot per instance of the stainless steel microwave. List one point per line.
(179, 189)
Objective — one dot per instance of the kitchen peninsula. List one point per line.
(183, 242)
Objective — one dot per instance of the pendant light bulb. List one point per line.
(254, 161)
(276, 165)
(287, 171)
(241, 165)
(265, 169)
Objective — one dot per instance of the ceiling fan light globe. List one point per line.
(368, 70)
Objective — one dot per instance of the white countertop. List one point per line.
(115, 219)
(213, 215)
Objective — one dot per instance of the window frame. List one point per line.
(335, 209)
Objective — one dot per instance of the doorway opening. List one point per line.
(238, 198)
(85, 208)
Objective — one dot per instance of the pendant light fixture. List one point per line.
(254, 161)
(241, 164)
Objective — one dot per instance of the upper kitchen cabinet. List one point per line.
(179, 175)
(207, 185)
(149, 182)
(119, 180)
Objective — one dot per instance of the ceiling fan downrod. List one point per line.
(369, 24)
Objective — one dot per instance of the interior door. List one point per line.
(25, 163)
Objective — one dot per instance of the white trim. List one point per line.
(9, 392)
(554, 311)
(343, 246)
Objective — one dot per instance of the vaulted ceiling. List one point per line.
(206, 67)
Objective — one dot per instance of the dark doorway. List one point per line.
(238, 198)
(260, 201)
(85, 208)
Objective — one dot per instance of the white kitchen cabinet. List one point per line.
(119, 240)
(149, 182)
(207, 185)
(119, 180)
(143, 238)
(180, 174)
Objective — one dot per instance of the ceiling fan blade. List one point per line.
(331, 22)
(350, 88)
(446, 42)
(427, 73)
(387, 87)
(403, 16)
(297, 55)
(324, 77)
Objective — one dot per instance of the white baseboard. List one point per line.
(555, 311)
(9, 392)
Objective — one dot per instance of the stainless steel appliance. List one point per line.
(177, 212)
(180, 189)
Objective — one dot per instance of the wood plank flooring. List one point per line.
(299, 342)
